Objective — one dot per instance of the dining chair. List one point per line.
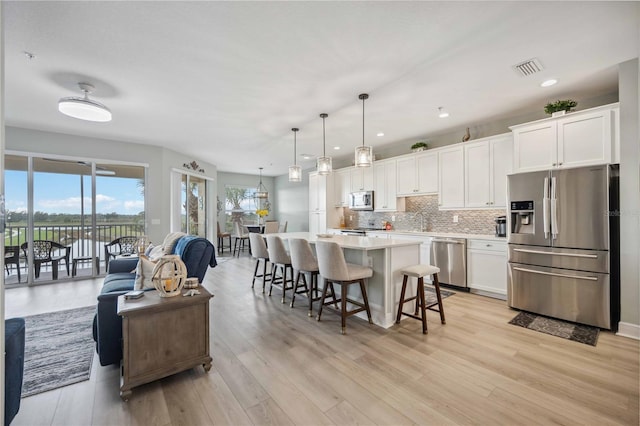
(334, 269)
(283, 226)
(279, 259)
(221, 237)
(304, 262)
(271, 227)
(259, 252)
(240, 237)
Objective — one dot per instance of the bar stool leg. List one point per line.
(343, 306)
(436, 284)
(264, 274)
(423, 305)
(366, 300)
(401, 303)
(324, 295)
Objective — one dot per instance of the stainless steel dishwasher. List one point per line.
(450, 255)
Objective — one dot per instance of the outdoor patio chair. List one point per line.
(45, 251)
(12, 257)
(120, 246)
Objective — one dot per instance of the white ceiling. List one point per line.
(225, 82)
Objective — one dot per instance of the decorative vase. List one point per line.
(558, 113)
(169, 276)
(420, 148)
(466, 136)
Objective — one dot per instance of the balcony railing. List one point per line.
(77, 237)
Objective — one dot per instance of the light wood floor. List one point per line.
(274, 365)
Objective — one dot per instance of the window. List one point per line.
(193, 202)
(240, 205)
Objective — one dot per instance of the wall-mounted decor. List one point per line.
(193, 166)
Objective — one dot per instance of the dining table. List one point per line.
(387, 258)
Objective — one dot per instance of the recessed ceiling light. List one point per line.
(380, 135)
(336, 148)
(442, 113)
(548, 83)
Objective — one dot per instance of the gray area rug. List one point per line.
(430, 295)
(58, 350)
(555, 327)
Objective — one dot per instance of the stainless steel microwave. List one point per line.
(362, 200)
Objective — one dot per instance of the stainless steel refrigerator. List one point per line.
(563, 244)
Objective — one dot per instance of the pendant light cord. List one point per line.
(295, 144)
(324, 143)
(364, 97)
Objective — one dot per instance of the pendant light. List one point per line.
(84, 108)
(324, 163)
(261, 190)
(295, 171)
(364, 154)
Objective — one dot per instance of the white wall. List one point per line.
(161, 162)
(292, 200)
(629, 199)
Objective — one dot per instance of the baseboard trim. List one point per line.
(626, 329)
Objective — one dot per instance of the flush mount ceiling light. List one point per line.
(84, 108)
(323, 164)
(442, 113)
(549, 82)
(364, 154)
(295, 171)
(261, 190)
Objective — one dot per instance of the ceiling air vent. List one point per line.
(529, 67)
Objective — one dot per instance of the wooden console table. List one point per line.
(162, 336)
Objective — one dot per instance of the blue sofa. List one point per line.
(13, 366)
(197, 254)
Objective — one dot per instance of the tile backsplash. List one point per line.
(423, 211)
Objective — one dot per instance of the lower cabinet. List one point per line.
(487, 266)
(318, 222)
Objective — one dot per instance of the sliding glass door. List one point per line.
(62, 212)
(193, 205)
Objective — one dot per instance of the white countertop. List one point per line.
(351, 241)
(490, 237)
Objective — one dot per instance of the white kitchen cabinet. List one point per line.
(487, 164)
(451, 177)
(384, 196)
(322, 213)
(342, 187)
(576, 139)
(417, 174)
(361, 179)
(487, 266)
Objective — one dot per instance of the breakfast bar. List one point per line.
(386, 257)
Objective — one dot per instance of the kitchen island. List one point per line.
(387, 257)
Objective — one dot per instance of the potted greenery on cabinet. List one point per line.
(419, 146)
(560, 107)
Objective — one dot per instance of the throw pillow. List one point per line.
(170, 241)
(144, 272)
(156, 253)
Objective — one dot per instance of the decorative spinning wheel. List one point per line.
(169, 276)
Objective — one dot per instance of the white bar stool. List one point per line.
(419, 272)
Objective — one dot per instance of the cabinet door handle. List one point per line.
(489, 245)
(560, 164)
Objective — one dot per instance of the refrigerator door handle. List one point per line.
(586, 256)
(554, 210)
(578, 277)
(545, 208)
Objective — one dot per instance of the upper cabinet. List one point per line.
(417, 174)
(451, 168)
(486, 166)
(384, 196)
(361, 179)
(342, 186)
(576, 139)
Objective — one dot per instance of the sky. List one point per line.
(60, 193)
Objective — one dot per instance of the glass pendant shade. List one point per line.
(261, 190)
(324, 165)
(295, 174)
(295, 171)
(364, 156)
